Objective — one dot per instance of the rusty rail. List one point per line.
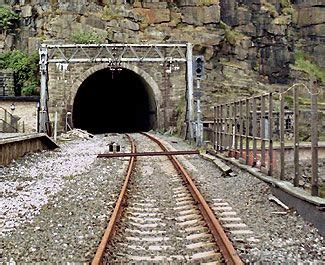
(168, 153)
(117, 211)
(226, 247)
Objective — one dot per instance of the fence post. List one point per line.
(218, 128)
(296, 136)
(254, 132)
(281, 135)
(262, 132)
(270, 134)
(214, 126)
(314, 139)
(222, 128)
(235, 130)
(247, 131)
(241, 120)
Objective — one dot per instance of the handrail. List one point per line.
(8, 117)
(7, 124)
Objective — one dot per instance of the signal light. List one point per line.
(198, 66)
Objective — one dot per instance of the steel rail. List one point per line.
(229, 253)
(117, 210)
(186, 152)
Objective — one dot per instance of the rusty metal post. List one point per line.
(296, 136)
(262, 132)
(235, 129)
(254, 132)
(222, 127)
(241, 129)
(270, 171)
(214, 126)
(218, 128)
(281, 134)
(247, 131)
(314, 139)
(230, 128)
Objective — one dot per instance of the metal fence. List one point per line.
(247, 129)
(8, 122)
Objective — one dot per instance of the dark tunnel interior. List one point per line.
(117, 101)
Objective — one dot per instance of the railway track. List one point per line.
(160, 216)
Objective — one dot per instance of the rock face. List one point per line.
(243, 41)
(311, 28)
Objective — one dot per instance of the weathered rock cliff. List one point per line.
(246, 43)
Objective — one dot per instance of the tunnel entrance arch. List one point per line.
(61, 64)
(110, 100)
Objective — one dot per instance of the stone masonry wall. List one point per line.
(63, 87)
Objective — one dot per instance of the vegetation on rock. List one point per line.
(231, 35)
(303, 62)
(82, 37)
(25, 69)
(7, 19)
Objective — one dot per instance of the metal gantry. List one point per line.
(114, 55)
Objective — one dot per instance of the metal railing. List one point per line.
(8, 122)
(248, 130)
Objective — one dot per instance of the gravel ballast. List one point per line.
(282, 236)
(56, 204)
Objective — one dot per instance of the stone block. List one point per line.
(93, 21)
(128, 24)
(26, 11)
(311, 16)
(199, 16)
(182, 3)
(154, 16)
(157, 5)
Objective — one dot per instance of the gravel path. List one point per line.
(275, 237)
(55, 205)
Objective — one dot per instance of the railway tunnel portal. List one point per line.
(113, 87)
(115, 100)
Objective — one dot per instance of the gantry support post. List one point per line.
(43, 115)
(189, 83)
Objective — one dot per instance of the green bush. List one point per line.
(7, 18)
(82, 37)
(25, 69)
